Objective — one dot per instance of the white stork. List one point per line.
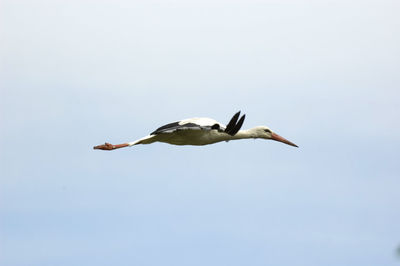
(201, 131)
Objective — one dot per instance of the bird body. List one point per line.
(201, 131)
(192, 131)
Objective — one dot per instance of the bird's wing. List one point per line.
(234, 126)
(190, 124)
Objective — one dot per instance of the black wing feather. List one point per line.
(168, 128)
(232, 123)
(165, 127)
(237, 126)
(232, 128)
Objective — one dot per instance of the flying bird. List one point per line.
(201, 131)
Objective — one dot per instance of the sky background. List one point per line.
(323, 74)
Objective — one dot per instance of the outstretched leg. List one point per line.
(108, 147)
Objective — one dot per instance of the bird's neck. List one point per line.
(245, 134)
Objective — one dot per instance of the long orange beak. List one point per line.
(276, 137)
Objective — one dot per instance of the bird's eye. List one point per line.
(267, 130)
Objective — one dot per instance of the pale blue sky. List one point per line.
(323, 74)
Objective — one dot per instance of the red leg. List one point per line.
(108, 147)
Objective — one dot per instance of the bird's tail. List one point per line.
(145, 140)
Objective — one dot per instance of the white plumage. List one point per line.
(201, 131)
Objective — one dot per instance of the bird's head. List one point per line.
(266, 133)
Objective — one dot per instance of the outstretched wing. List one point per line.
(190, 124)
(232, 128)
